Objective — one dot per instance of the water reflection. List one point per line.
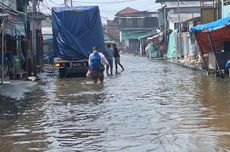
(214, 95)
(73, 113)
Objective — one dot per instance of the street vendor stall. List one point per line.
(213, 38)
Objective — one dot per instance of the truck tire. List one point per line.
(62, 73)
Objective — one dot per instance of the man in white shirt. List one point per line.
(96, 65)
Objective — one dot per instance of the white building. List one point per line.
(225, 8)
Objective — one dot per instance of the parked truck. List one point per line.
(76, 30)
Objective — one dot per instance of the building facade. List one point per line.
(133, 24)
(18, 36)
(225, 8)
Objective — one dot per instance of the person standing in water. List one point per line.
(96, 67)
(116, 56)
(109, 56)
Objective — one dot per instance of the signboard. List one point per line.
(208, 15)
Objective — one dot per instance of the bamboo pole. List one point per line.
(213, 49)
(2, 72)
(202, 55)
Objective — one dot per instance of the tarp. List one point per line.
(212, 25)
(172, 44)
(219, 33)
(76, 30)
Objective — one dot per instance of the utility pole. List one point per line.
(3, 48)
(34, 42)
(165, 23)
(179, 27)
(2, 67)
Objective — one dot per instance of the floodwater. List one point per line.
(151, 106)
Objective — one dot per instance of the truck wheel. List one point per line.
(61, 73)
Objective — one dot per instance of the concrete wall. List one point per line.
(188, 47)
(226, 11)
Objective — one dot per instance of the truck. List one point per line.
(76, 30)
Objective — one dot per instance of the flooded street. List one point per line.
(151, 106)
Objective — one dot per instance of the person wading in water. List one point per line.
(109, 57)
(116, 56)
(96, 67)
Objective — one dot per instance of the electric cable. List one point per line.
(114, 2)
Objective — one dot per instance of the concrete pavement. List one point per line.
(16, 89)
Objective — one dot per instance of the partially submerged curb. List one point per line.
(194, 65)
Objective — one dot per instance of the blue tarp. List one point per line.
(76, 30)
(212, 25)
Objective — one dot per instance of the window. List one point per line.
(129, 22)
(140, 22)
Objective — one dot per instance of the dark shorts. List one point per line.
(110, 62)
(98, 75)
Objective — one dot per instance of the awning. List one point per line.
(147, 35)
(133, 34)
(212, 26)
(155, 36)
(218, 31)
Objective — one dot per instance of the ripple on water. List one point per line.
(151, 106)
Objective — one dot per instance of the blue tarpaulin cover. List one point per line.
(76, 30)
(212, 25)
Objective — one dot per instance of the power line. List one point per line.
(62, 4)
(120, 1)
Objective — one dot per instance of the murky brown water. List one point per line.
(151, 106)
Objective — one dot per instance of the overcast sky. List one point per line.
(107, 7)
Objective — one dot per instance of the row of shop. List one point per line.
(19, 56)
(208, 44)
(169, 35)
